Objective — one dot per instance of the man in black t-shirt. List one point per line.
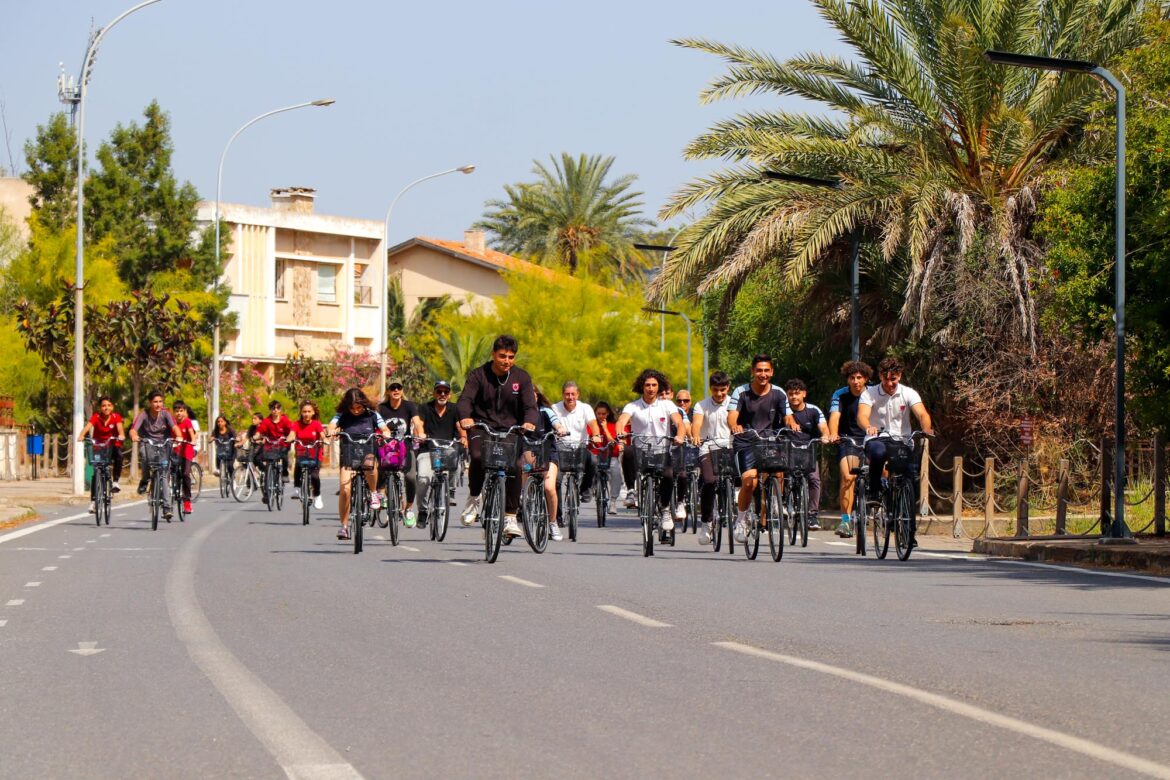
(810, 421)
(439, 421)
(761, 406)
(395, 407)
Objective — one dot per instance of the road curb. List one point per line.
(1148, 556)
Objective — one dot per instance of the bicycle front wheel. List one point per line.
(441, 513)
(904, 522)
(269, 488)
(196, 481)
(156, 501)
(535, 511)
(306, 492)
(693, 502)
(646, 507)
(225, 480)
(772, 505)
(392, 508)
(242, 483)
(493, 520)
(572, 511)
(800, 504)
(602, 496)
(359, 510)
(859, 517)
(881, 529)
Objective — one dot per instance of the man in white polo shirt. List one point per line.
(888, 406)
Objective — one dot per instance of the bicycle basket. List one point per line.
(723, 462)
(309, 456)
(244, 455)
(499, 454)
(100, 454)
(800, 456)
(684, 459)
(769, 455)
(651, 455)
(572, 456)
(444, 457)
(223, 450)
(156, 454)
(275, 451)
(355, 453)
(900, 454)
(538, 453)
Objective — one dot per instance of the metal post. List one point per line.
(1022, 529)
(706, 367)
(1159, 485)
(957, 497)
(1062, 499)
(855, 299)
(1105, 521)
(79, 271)
(989, 494)
(690, 380)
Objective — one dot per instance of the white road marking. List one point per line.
(457, 563)
(64, 556)
(48, 568)
(380, 538)
(32, 584)
(1060, 739)
(411, 549)
(3, 623)
(32, 529)
(14, 602)
(91, 541)
(634, 616)
(518, 581)
(87, 648)
(842, 544)
(78, 549)
(1078, 570)
(103, 536)
(299, 750)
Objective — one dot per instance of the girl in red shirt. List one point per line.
(106, 427)
(307, 431)
(185, 449)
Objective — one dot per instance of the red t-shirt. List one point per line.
(307, 434)
(104, 431)
(187, 432)
(596, 449)
(274, 430)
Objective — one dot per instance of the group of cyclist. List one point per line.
(501, 396)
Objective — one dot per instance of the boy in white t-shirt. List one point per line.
(651, 416)
(709, 430)
(888, 406)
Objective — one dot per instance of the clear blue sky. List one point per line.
(419, 87)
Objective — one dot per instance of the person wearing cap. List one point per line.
(394, 406)
(439, 421)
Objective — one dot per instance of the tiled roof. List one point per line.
(488, 256)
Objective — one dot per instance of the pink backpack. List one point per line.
(392, 454)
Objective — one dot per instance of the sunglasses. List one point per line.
(684, 400)
(442, 392)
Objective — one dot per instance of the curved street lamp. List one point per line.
(79, 291)
(386, 268)
(218, 271)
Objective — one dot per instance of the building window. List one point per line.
(281, 267)
(327, 284)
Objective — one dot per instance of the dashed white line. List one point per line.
(411, 549)
(103, 536)
(841, 544)
(91, 541)
(78, 549)
(632, 616)
(32, 584)
(64, 556)
(3, 623)
(14, 602)
(1060, 739)
(457, 563)
(518, 581)
(48, 568)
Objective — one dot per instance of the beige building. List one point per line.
(14, 195)
(299, 281)
(468, 271)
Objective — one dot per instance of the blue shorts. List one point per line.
(847, 449)
(745, 457)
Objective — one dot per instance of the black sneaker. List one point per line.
(141, 488)
(167, 515)
(586, 496)
(421, 523)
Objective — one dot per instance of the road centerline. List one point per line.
(634, 617)
(519, 581)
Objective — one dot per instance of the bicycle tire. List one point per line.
(306, 490)
(358, 510)
(572, 508)
(177, 495)
(790, 524)
(535, 515)
(96, 493)
(426, 508)
(859, 517)
(241, 484)
(392, 508)
(881, 531)
(493, 520)
(155, 501)
(771, 513)
(602, 497)
(278, 486)
(225, 480)
(693, 503)
(904, 522)
(196, 481)
(646, 502)
(801, 502)
(441, 517)
(269, 498)
(107, 501)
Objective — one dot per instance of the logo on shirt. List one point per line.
(515, 387)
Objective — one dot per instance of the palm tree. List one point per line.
(939, 154)
(459, 354)
(569, 210)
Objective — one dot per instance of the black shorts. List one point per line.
(847, 449)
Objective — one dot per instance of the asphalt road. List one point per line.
(242, 644)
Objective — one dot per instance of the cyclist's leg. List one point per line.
(666, 490)
(315, 480)
(164, 478)
(186, 471)
(343, 498)
(298, 469)
(552, 479)
(707, 494)
(408, 475)
(116, 464)
(814, 494)
(629, 468)
(424, 473)
(875, 450)
(747, 469)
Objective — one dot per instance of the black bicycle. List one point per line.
(651, 457)
(573, 457)
(225, 461)
(800, 461)
(726, 472)
(601, 485)
(309, 462)
(499, 454)
(534, 519)
(273, 455)
(897, 506)
(434, 504)
(686, 469)
(100, 456)
(156, 457)
(769, 450)
(359, 455)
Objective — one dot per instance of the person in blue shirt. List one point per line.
(846, 431)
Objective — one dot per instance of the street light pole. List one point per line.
(665, 250)
(687, 320)
(78, 473)
(215, 356)
(386, 267)
(1118, 531)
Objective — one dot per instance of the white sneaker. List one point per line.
(555, 531)
(92, 508)
(471, 511)
(318, 503)
(704, 534)
(511, 527)
(411, 518)
(375, 500)
(631, 500)
(741, 526)
(680, 511)
(115, 488)
(667, 522)
(296, 494)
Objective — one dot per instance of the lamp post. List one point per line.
(215, 356)
(1117, 530)
(79, 291)
(855, 251)
(686, 319)
(386, 266)
(665, 249)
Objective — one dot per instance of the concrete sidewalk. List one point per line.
(20, 498)
(1150, 555)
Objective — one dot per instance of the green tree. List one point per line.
(570, 211)
(52, 171)
(49, 262)
(1078, 221)
(460, 351)
(135, 199)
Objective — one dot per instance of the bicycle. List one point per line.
(100, 455)
(897, 505)
(863, 513)
(246, 478)
(309, 461)
(686, 465)
(724, 465)
(156, 457)
(800, 462)
(651, 456)
(273, 455)
(572, 458)
(499, 455)
(358, 455)
(391, 473)
(601, 485)
(225, 460)
(177, 485)
(445, 459)
(768, 451)
(534, 520)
